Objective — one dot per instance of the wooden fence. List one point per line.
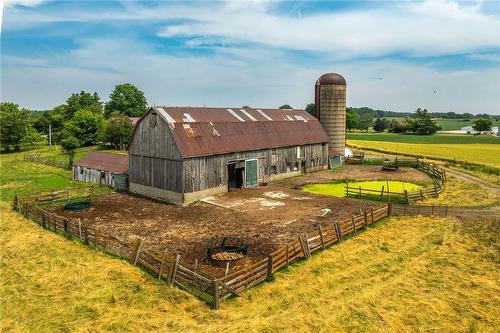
(46, 160)
(164, 266)
(437, 174)
(169, 268)
(422, 210)
(326, 233)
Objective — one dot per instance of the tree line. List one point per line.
(82, 121)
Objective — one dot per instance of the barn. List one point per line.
(182, 154)
(102, 168)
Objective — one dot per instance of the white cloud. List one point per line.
(238, 76)
(423, 29)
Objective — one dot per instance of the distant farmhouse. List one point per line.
(469, 129)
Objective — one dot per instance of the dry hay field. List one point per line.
(402, 274)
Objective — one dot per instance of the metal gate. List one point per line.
(251, 174)
(335, 162)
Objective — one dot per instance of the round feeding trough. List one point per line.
(77, 205)
(219, 251)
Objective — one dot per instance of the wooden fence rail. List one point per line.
(437, 174)
(169, 268)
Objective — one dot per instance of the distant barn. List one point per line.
(102, 168)
(181, 154)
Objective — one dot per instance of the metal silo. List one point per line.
(330, 100)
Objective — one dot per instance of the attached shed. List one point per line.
(182, 154)
(102, 168)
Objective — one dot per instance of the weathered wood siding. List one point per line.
(205, 172)
(88, 175)
(154, 159)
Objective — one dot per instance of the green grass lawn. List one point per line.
(453, 124)
(338, 189)
(481, 149)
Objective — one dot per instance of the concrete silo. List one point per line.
(330, 100)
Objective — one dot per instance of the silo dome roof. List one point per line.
(331, 79)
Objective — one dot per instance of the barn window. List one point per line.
(81, 171)
(323, 144)
(103, 174)
(152, 119)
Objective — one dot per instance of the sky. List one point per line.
(395, 55)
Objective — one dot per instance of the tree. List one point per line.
(285, 106)
(15, 126)
(53, 118)
(482, 124)
(311, 109)
(422, 123)
(246, 107)
(85, 125)
(380, 125)
(82, 101)
(127, 100)
(396, 126)
(69, 143)
(351, 119)
(365, 121)
(117, 130)
(468, 116)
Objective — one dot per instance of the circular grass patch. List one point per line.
(338, 189)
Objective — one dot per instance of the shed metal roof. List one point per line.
(115, 163)
(210, 131)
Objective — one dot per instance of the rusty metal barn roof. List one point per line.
(115, 163)
(209, 131)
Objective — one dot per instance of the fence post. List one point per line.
(137, 250)
(406, 196)
(174, 270)
(305, 246)
(321, 237)
(339, 232)
(162, 263)
(269, 266)
(366, 218)
(216, 301)
(360, 191)
(287, 255)
(389, 210)
(421, 195)
(382, 192)
(371, 213)
(65, 221)
(353, 223)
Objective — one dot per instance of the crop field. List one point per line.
(483, 149)
(402, 274)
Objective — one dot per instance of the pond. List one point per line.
(338, 189)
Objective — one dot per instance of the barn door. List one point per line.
(251, 175)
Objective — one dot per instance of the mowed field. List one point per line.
(403, 274)
(482, 149)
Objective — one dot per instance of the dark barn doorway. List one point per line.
(234, 176)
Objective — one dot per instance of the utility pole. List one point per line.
(50, 134)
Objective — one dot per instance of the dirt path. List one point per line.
(473, 179)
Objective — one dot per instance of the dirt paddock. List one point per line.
(266, 217)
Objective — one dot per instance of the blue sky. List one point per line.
(442, 55)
